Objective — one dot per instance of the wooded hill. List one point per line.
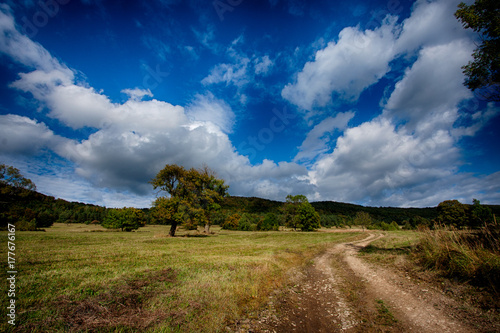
(261, 206)
(36, 209)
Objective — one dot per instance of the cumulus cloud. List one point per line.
(22, 135)
(207, 108)
(432, 87)
(431, 23)
(343, 69)
(374, 161)
(318, 139)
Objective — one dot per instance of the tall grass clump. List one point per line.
(473, 256)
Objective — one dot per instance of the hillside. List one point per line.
(33, 206)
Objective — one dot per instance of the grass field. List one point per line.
(83, 278)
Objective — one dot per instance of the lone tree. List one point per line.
(299, 213)
(483, 72)
(193, 195)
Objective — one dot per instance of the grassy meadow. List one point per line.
(76, 277)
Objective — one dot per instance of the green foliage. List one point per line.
(16, 182)
(248, 222)
(270, 222)
(452, 212)
(126, 219)
(308, 218)
(232, 222)
(483, 72)
(363, 219)
(194, 195)
(480, 215)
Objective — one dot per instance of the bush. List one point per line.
(247, 223)
(232, 222)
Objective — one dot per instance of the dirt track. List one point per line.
(339, 292)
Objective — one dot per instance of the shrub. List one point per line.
(247, 223)
(231, 223)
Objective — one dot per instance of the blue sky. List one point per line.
(358, 101)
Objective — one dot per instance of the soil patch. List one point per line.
(340, 292)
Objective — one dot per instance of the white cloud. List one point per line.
(429, 92)
(22, 49)
(318, 138)
(344, 69)
(137, 94)
(207, 108)
(431, 23)
(21, 135)
(262, 65)
(235, 74)
(373, 162)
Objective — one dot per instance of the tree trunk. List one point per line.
(207, 228)
(173, 226)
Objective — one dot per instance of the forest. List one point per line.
(31, 210)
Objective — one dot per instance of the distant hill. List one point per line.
(43, 210)
(261, 206)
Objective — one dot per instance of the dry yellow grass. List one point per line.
(77, 277)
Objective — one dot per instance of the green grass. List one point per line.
(393, 247)
(385, 315)
(77, 277)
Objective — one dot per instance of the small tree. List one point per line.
(363, 219)
(290, 210)
(232, 222)
(309, 219)
(12, 183)
(299, 213)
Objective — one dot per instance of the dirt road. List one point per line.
(340, 292)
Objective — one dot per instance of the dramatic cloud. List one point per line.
(344, 68)
(432, 88)
(373, 162)
(400, 146)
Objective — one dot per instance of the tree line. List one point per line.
(196, 197)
